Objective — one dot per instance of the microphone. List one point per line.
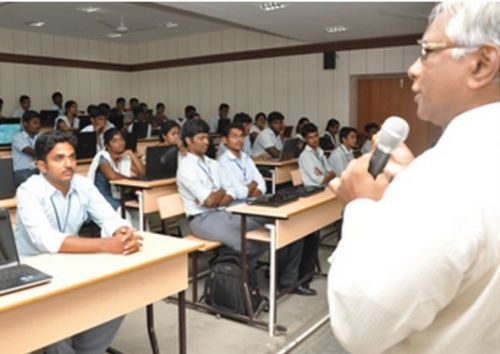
(393, 132)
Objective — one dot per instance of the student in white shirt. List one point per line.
(189, 110)
(99, 125)
(217, 123)
(51, 208)
(245, 121)
(343, 154)
(300, 124)
(259, 125)
(140, 125)
(329, 139)
(24, 106)
(206, 192)
(57, 100)
(369, 131)
(69, 120)
(269, 142)
(23, 148)
(418, 268)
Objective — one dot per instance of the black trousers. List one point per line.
(309, 256)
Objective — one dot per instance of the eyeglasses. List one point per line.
(427, 48)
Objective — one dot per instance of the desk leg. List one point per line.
(182, 322)
(122, 201)
(151, 329)
(140, 197)
(272, 281)
(244, 268)
(273, 180)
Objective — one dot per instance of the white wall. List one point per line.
(294, 85)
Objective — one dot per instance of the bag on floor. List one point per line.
(223, 287)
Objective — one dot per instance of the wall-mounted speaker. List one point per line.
(329, 59)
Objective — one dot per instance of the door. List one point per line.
(381, 97)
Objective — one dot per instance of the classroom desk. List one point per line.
(82, 166)
(147, 192)
(280, 170)
(90, 289)
(292, 222)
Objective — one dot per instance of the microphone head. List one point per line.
(393, 132)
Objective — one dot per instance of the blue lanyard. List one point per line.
(60, 228)
(207, 173)
(316, 154)
(242, 168)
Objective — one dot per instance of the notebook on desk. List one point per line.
(14, 275)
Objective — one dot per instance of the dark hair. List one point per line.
(331, 123)
(308, 129)
(137, 110)
(95, 111)
(193, 127)
(160, 104)
(91, 107)
(1, 102)
(120, 100)
(29, 115)
(344, 132)
(55, 94)
(105, 108)
(23, 98)
(258, 115)
(188, 109)
(166, 127)
(110, 134)
(223, 106)
(46, 142)
(370, 126)
(133, 99)
(300, 122)
(233, 126)
(68, 105)
(274, 116)
(241, 118)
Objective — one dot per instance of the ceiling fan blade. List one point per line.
(105, 24)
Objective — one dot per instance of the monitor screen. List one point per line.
(7, 132)
(8, 252)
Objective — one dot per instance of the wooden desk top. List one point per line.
(144, 184)
(84, 161)
(275, 163)
(150, 139)
(73, 271)
(8, 203)
(284, 211)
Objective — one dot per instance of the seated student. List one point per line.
(222, 119)
(188, 110)
(343, 154)
(24, 106)
(246, 122)
(315, 171)
(329, 139)
(300, 124)
(269, 142)
(170, 136)
(23, 148)
(99, 125)
(260, 121)
(115, 162)
(133, 103)
(370, 130)
(140, 118)
(57, 100)
(69, 120)
(159, 118)
(206, 192)
(51, 208)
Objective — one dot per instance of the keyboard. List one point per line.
(273, 200)
(302, 191)
(16, 273)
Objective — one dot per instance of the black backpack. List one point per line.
(223, 287)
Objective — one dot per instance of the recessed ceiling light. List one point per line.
(272, 6)
(35, 23)
(170, 24)
(115, 35)
(88, 9)
(335, 29)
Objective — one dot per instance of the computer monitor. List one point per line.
(7, 187)
(8, 128)
(48, 118)
(291, 149)
(221, 125)
(140, 129)
(131, 141)
(117, 120)
(83, 121)
(161, 161)
(86, 146)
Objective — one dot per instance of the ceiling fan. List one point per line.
(123, 29)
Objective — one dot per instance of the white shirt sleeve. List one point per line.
(192, 183)
(336, 161)
(237, 185)
(257, 176)
(307, 165)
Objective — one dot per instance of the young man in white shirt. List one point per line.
(51, 208)
(57, 100)
(24, 106)
(370, 130)
(269, 142)
(329, 139)
(99, 125)
(246, 122)
(418, 267)
(259, 125)
(206, 192)
(343, 154)
(217, 123)
(23, 148)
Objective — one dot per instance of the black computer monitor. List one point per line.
(161, 161)
(221, 125)
(9, 127)
(7, 186)
(48, 118)
(140, 129)
(86, 145)
(83, 121)
(131, 141)
(117, 120)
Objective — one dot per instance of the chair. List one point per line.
(170, 206)
(296, 177)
